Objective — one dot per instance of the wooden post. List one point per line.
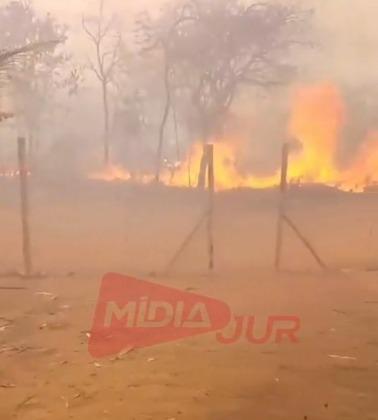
(282, 205)
(283, 217)
(203, 167)
(25, 216)
(211, 188)
(207, 216)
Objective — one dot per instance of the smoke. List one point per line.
(346, 32)
(343, 55)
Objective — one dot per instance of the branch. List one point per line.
(88, 32)
(105, 31)
(34, 47)
(115, 58)
(170, 33)
(95, 71)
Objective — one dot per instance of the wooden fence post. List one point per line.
(207, 216)
(211, 189)
(25, 216)
(282, 205)
(284, 218)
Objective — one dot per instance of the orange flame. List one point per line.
(317, 118)
(364, 170)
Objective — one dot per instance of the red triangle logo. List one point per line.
(138, 313)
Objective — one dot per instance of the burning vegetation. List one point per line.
(174, 87)
(315, 127)
(107, 131)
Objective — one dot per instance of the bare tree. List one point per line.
(107, 42)
(213, 48)
(152, 36)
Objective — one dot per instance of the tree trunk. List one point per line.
(164, 120)
(178, 152)
(203, 166)
(106, 123)
(202, 171)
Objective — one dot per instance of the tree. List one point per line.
(31, 60)
(212, 48)
(107, 42)
(9, 58)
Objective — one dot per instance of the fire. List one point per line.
(113, 173)
(364, 171)
(225, 157)
(315, 127)
(317, 120)
(227, 173)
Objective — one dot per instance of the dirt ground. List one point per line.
(82, 230)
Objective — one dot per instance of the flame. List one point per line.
(317, 119)
(364, 170)
(226, 171)
(227, 175)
